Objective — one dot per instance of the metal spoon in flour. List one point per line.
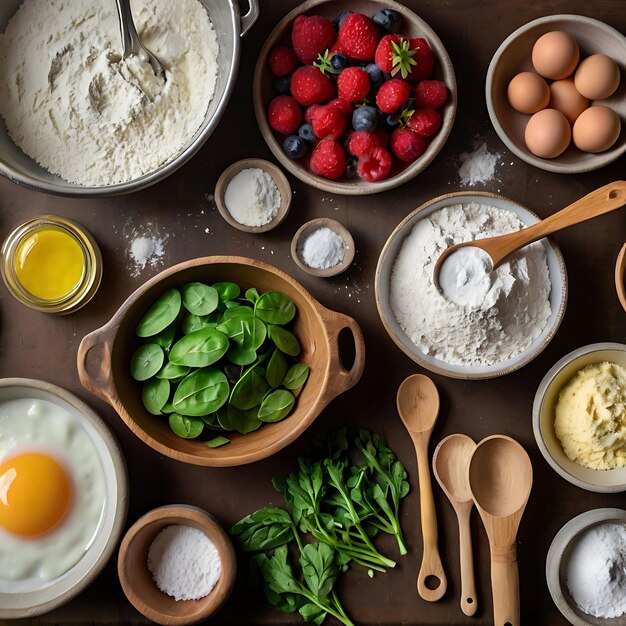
(131, 41)
(594, 204)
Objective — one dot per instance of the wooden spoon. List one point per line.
(598, 202)
(418, 406)
(450, 466)
(500, 478)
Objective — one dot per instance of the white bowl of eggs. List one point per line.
(556, 95)
(63, 496)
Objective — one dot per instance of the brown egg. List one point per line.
(555, 55)
(597, 77)
(565, 97)
(528, 93)
(596, 129)
(547, 134)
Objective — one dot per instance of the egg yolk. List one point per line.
(35, 495)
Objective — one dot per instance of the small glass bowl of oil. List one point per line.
(51, 264)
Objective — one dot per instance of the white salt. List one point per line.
(146, 251)
(252, 197)
(323, 249)
(478, 166)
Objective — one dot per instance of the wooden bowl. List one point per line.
(277, 176)
(306, 229)
(263, 92)
(514, 56)
(620, 276)
(136, 579)
(104, 357)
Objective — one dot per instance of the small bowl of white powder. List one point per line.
(253, 195)
(323, 247)
(586, 568)
(177, 565)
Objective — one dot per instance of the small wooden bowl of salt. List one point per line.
(253, 195)
(177, 565)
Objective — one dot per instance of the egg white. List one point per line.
(34, 425)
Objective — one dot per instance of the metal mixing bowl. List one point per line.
(229, 26)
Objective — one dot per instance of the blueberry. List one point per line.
(391, 121)
(365, 118)
(338, 62)
(339, 20)
(389, 20)
(376, 74)
(387, 76)
(351, 167)
(294, 147)
(283, 84)
(306, 132)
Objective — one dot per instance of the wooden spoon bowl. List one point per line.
(620, 276)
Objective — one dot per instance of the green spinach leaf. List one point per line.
(277, 369)
(249, 390)
(146, 361)
(199, 299)
(160, 315)
(296, 376)
(276, 406)
(154, 395)
(284, 340)
(203, 392)
(199, 349)
(185, 426)
(275, 308)
(216, 442)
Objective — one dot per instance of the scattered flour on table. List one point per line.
(500, 324)
(478, 166)
(323, 249)
(184, 562)
(252, 197)
(76, 107)
(146, 250)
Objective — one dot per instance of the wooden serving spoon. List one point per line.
(500, 478)
(450, 466)
(598, 202)
(418, 406)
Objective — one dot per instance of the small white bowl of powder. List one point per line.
(253, 195)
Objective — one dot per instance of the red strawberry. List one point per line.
(361, 142)
(425, 122)
(383, 137)
(328, 123)
(406, 144)
(328, 159)
(337, 48)
(341, 105)
(359, 37)
(375, 166)
(384, 52)
(353, 84)
(392, 95)
(424, 60)
(311, 36)
(431, 93)
(309, 113)
(284, 115)
(282, 61)
(310, 86)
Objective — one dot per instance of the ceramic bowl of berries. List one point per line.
(354, 97)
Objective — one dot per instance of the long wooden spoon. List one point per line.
(450, 466)
(598, 202)
(500, 478)
(418, 406)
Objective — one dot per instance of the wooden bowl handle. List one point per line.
(95, 372)
(341, 379)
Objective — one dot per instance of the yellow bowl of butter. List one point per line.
(579, 417)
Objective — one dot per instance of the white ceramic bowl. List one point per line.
(558, 294)
(557, 560)
(603, 481)
(16, 605)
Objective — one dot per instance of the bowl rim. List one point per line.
(538, 402)
(559, 546)
(347, 187)
(549, 165)
(164, 170)
(119, 508)
(455, 197)
(209, 604)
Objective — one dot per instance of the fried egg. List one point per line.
(52, 493)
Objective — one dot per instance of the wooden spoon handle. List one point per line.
(505, 589)
(431, 580)
(469, 603)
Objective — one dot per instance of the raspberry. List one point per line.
(406, 145)
(282, 61)
(337, 48)
(361, 142)
(358, 36)
(328, 159)
(431, 94)
(424, 60)
(393, 95)
(425, 122)
(311, 36)
(384, 53)
(309, 113)
(353, 84)
(328, 123)
(375, 166)
(383, 137)
(341, 105)
(284, 115)
(310, 86)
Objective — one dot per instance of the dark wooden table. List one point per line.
(180, 208)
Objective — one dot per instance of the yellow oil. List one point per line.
(49, 264)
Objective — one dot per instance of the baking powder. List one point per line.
(478, 166)
(323, 249)
(252, 197)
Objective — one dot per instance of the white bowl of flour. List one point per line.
(503, 329)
